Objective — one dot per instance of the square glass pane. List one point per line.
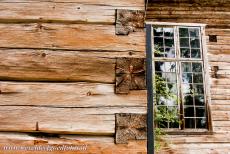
(197, 78)
(161, 100)
(158, 31)
(169, 42)
(195, 43)
(170, 52)
(189, 123)
(185, 52)
(197, 67)
(200, 112)
(172, 88)
(187, 77)
(186, 67)
(199, 100)
(188, 100)
(187, 88)
(189, 111)
(183, 32)
(195, 53)
(194, 32)
(159, 52)
(184, 42)
(171, 77)
(158, 42)
(201, 123)
(159, 66)
(170, 66)
(168, 32)
(198, 89)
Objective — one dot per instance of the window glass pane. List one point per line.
(189, 111)
(159, 67)
(170, 67)
(199, 100)
(158, 42)
(194, 32)
(169, 42)
(200, 112)
(185, 52)
(168, 32)
(172, 88)
(186, 67)
(187, 89)
(170, 52)
(195, 43)
(184, 42)
(198, 89)
(189, 123)
(201, 123)
(171, 77)
(197, 67)
(183, 32)
(187, 77)
(195, 53)
(188, 100)
(197, 78)
(158, 31)
(159, 52)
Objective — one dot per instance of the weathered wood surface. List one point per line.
(37, 65)
(66, 11)
(80, 94)
(93, 144)
(214, 13)
(130, 127)
(69, 36)
(94, 120)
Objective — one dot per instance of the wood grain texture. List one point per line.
(93, 144)
(78, 11)
(69, 36)
(44, 65)
(81, 94)
(215, 14)
(97, 121)
(130, 127)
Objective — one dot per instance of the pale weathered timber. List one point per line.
(44, 65)
(134, 3)
(102, 145)
(78, 11)
(80, 94)
(95, 120)
(69, 36)
(130, 127)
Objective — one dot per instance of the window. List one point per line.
(179, 67)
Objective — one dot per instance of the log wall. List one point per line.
(216, 14)
(57, 73)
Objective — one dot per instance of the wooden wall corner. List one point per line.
(128, 21)
(130, 74)
(130, 126)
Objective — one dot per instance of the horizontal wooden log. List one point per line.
(97, 121)
(219, 57)
(220, 115)
(37, 65)
(69, 36)
(92, 2)
(68, 95)
(186, 139)
(92, 145)
(78, 11)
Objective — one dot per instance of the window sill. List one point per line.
(188, 132)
